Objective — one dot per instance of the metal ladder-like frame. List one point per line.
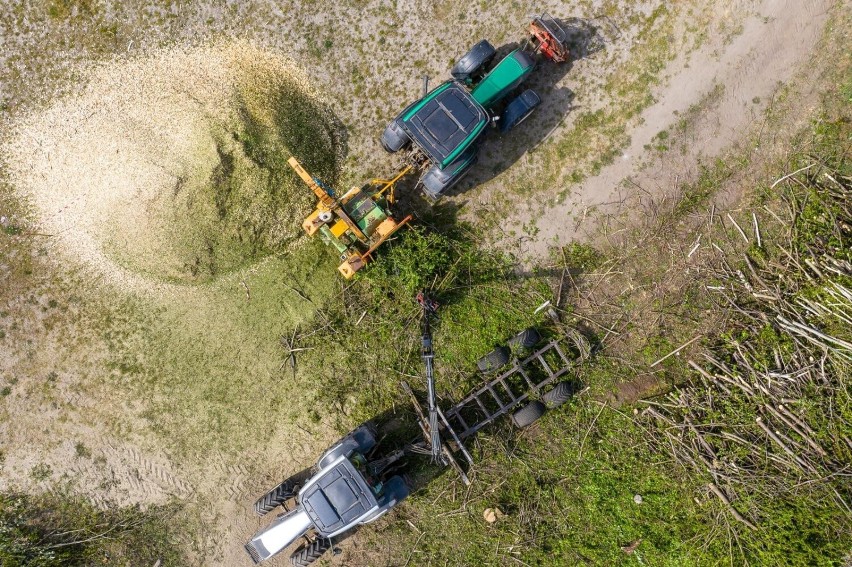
(491, 390)
(454, 428)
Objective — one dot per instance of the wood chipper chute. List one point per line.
(356, 223)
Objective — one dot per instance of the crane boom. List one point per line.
(321, 193)
(429, 306)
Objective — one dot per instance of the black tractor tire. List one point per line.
(281, 493)
(494, 360)
(527, 338)
(558, 395)
(394, 138)
(528, 414)
(435, 181)
(519, 110)
(307, 554)
(474, 61)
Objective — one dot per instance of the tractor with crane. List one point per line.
(348, 488)
(358, 480)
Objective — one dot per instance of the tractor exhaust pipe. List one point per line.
(425, 84)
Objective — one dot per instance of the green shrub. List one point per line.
(49, 530)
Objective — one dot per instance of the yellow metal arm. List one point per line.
(321, 193)
(327, 203)
(389, 185)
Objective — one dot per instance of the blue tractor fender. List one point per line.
(394, 491)
(518, 110)
(361, 439)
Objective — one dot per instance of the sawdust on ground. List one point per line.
(120, 173)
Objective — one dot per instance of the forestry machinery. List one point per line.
(439, 135)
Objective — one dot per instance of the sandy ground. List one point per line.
(776, 40)
(117, 172)
(773, 40)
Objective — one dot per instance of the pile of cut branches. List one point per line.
(767, 412)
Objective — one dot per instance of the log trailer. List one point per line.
(357, 481)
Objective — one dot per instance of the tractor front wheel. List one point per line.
(474, 62)
(309, 553)
(519, 110)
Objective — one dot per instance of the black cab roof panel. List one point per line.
(338, 498)
(445, 122)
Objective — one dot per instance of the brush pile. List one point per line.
(768, 410)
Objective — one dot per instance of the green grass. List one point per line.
(213, 378)
(199, 400)
(567, 487)
(695, 196)
(482, 300)
(52, 531)
(567, 491)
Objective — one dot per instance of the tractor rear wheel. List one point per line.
(309, 553)
(281, 493)
(394, 138)
(558, 395)
(494, 360)
(436, 181)
(527, 338)
(528, 414)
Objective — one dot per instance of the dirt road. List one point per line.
(728, 83)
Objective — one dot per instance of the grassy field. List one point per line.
(567, 488)
(165, 409)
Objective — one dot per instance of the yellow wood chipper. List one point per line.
(356, 223)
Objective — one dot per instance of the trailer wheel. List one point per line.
(528, 414)
(527, 338)
(495, 359)
(560, 394)
(281, 493)
(309, 553)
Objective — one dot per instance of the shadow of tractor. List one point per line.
(499, 152)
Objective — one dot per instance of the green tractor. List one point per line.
(442, 131)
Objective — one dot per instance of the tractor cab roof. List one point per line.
(338, 499)
(445, 122)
